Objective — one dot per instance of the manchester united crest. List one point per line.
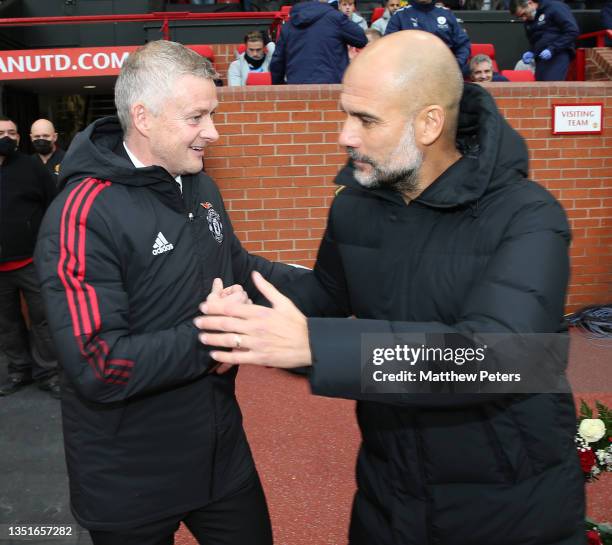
(215, 226)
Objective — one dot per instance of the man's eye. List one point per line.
(367, 122)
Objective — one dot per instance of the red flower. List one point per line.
(587, 460)
(593, 538)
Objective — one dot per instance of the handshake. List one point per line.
(255, 335)
(529, 56)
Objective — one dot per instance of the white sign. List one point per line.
(577, 118)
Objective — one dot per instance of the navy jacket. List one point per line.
(553, 28)
(312, 45)
(481, 249)
(438, 21)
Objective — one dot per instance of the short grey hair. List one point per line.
(148, 75)
(477, 59)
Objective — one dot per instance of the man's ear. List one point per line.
(141, 118)
(429, 124)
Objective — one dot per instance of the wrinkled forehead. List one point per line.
(370, 95)
(8, 126)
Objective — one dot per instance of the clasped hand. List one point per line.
(257, 335)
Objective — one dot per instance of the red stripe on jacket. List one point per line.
(80, 295)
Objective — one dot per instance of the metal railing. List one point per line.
(277, 18)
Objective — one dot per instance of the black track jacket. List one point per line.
(482, 249)
(123, 264)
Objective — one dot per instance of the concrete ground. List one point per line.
(304, 446)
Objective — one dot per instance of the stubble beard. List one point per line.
(401, 173)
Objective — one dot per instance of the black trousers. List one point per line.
(34, 359)
(239, 519)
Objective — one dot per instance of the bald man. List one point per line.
(437, 235)
(44, 141)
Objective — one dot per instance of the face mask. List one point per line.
(42, 146)
(8, 146)
(254, 63)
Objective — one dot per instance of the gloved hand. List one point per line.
(546, 55)
(528, 57)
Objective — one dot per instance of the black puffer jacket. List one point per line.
(480, 250)
(124, 261)
(26, 190)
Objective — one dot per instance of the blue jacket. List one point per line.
(553, 28)
(438, 21)
(312, 47)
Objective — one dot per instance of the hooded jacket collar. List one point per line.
(98, 152)
(492, 152)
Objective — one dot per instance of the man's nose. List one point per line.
(209, 132)
(348, 136)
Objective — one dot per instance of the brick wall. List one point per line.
(599, 64)
(224, 55)
(276, 160)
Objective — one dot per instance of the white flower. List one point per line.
(592, 429)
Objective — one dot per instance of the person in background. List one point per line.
(390, 8)
(312, 47)
(551, 31)
(481, 70)
(349, 7)
(44, 142)
(426, 15)
(26, 190)
(256, 58)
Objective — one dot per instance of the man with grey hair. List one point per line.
(481, 69)
(153, 434)
(436, 238)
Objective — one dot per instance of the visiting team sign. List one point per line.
(577, 118)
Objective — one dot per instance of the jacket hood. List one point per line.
(306, 13)
(97, 152)
(492, 152)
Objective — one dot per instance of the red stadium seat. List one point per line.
(518, 75)
(259, 78)
(485, 49)
(241, 49)
(377, 13)
(286, 9)
(204, 51)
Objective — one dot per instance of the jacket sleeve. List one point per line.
(88, 310)
(351, 32)
(562, 17)
(234, 78)
(461, 44)
(394, 24)
(522, 290)
(244, 263)
(278, 64)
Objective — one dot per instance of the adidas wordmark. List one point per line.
(161, 245)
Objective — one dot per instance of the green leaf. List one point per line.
(585, 410)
